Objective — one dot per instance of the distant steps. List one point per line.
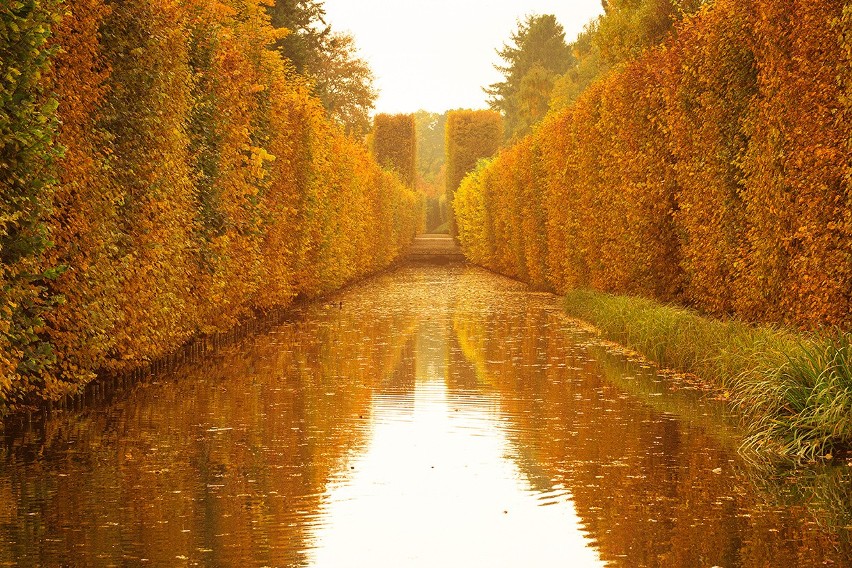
(436, 248)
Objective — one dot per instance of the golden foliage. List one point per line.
(712, 170)
(796, 166)
(85, 223)
(710, 81)
(470, 136)
(27, 182)
(148, 100)
(394, 145)
(202, 182)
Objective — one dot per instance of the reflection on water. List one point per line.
(436, 416)
(438, 484)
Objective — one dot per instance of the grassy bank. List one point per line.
(793, 390)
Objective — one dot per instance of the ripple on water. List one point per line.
(432, 416)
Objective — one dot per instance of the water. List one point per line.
(435, 416)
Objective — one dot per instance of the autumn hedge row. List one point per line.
(199, 183)
(713, 170)
(470, 135)
(394, 141)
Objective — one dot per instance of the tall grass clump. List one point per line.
(792, 390)
(803, 407)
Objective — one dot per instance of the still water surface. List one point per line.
(434, 416)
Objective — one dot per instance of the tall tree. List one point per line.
(344, 83)
(623, 32)
(628, 27)
(587, 66)
(342, 80)
(535, 57)
(305, 19)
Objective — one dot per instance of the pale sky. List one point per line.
(438, 54)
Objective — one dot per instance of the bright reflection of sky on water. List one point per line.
(438, 486)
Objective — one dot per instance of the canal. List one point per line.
(431, 416)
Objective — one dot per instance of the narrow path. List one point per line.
(434, 247)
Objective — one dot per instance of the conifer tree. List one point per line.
(536, 56)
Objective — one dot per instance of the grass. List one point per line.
(803, 407)
(792, 390)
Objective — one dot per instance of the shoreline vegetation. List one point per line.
(792, 390)
(708, 167)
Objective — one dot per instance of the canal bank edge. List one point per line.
(791, 390)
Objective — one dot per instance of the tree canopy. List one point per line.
(625, 30)
(344, 83)
(305, 20)
(341, 80)
(628, 27)
(536, 55)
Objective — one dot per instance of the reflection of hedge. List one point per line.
(394, 145)
(318, 381)
(201, 182)
(556, 412)
(713, 170)
(470, 136)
